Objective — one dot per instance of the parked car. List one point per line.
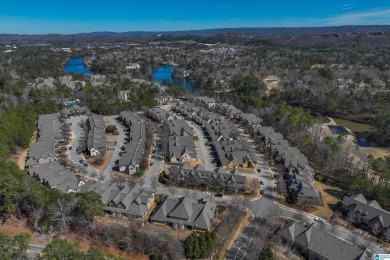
(206, 193)
(258, 170)
(319, 219)
(261, 182)
(220, 195)
(85, 164)
(73, 161)
(82, 161)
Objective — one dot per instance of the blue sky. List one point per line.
(71, 16)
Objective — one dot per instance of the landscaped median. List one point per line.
(239, 220)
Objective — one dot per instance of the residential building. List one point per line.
(199, 177)
(57, 177)
(44, 150)
(314, 243)
(96, 140)
(133, 153)
(367, 212)
(123, 201)
(184, 212)
(124, 94)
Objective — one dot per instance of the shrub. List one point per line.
(266, 254)
(116, 132)
(111, 129)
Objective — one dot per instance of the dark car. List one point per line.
(220, 195)
(81, 161)
(85, 164)
(261, 182)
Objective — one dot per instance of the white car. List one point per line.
(73, 161)
(319, 219)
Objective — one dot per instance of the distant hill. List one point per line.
(261, 31)
(280, 35)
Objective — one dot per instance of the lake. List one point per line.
(357, 128)
(76, 65)
(353, 126)
(164, 72)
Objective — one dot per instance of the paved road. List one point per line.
(34, 250)
(204, 150)
(110, 120)
(79, 135)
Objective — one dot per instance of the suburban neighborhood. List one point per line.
(202, 156)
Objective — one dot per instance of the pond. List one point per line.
(353, 126)
(165, 72)
(360, 130)
(76, 65)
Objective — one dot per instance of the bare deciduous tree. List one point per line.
(62, 213)
(386, 235)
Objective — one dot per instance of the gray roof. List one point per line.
(320, 243)
(178, 145)
(96, 132)
(186, 211)
(179, 127)
(57, 176)
(136, 146)
(224, 178)
(76, 109)
(368, 210)
(126, 200)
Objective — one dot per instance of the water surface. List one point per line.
(164, 72)
(76, 65)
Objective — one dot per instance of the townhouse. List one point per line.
(368, 213)
(123, 201)
(314, 243)
(289, 160)
(199, 177)
(96, 132)
(134, 150)
(49, 134)
(184, 212)
(159, 115)
(56, 176)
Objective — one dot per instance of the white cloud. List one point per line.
(373, 16)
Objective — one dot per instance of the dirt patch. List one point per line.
(271, 82)
(331, 196)
(376, 151)
(106, 159)
(167, 107)
(317, 66)
(195, 163)
(112, 137)
(19, 157)
(13, 226)
(247, 170)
